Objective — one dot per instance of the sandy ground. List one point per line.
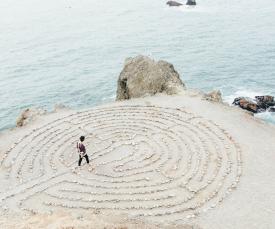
(65, 220)
(164, 159)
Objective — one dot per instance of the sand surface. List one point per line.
(163, 159)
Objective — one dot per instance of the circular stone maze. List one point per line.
(165, 164)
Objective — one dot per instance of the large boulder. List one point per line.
(29, 115)
(142, 76)
(174, 3)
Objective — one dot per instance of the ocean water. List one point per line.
(72, 51)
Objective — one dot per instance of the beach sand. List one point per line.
(164, 160)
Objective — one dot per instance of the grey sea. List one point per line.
(72, 51)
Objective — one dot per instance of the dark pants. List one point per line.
(80, 159)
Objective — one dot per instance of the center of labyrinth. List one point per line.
(150, 161)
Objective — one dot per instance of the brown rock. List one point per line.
(29, 115)
(215, 96)
(247, 104)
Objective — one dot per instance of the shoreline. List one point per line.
(196, 91)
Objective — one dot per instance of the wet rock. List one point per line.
(257, 105)
(29, 115)
(191, 2)
(142, 76)
(214, 96)
(246, 103)
(174, 3)
(264, 102)
(271, 109)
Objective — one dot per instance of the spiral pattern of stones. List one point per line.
(156, 162)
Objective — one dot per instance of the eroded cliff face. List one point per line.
(142, 76)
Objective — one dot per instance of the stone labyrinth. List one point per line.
(159, 163)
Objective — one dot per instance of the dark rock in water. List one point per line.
(238, 100)
(271, 109)
(265, 98)
(260, 104)
(265, 101)
(191, 2)
(246, 104)
(174, 3)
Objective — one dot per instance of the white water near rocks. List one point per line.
(72, 51)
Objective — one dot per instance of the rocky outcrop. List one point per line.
(257, 105)
(265, 102)
(191, 2)
(246, 104)
(142, 76)
(60, 107)
(29, 115)
(214, 96)
(174, 3)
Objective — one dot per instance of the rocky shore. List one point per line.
(257, 105)
(164, 156)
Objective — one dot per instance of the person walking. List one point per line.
(82, 151)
